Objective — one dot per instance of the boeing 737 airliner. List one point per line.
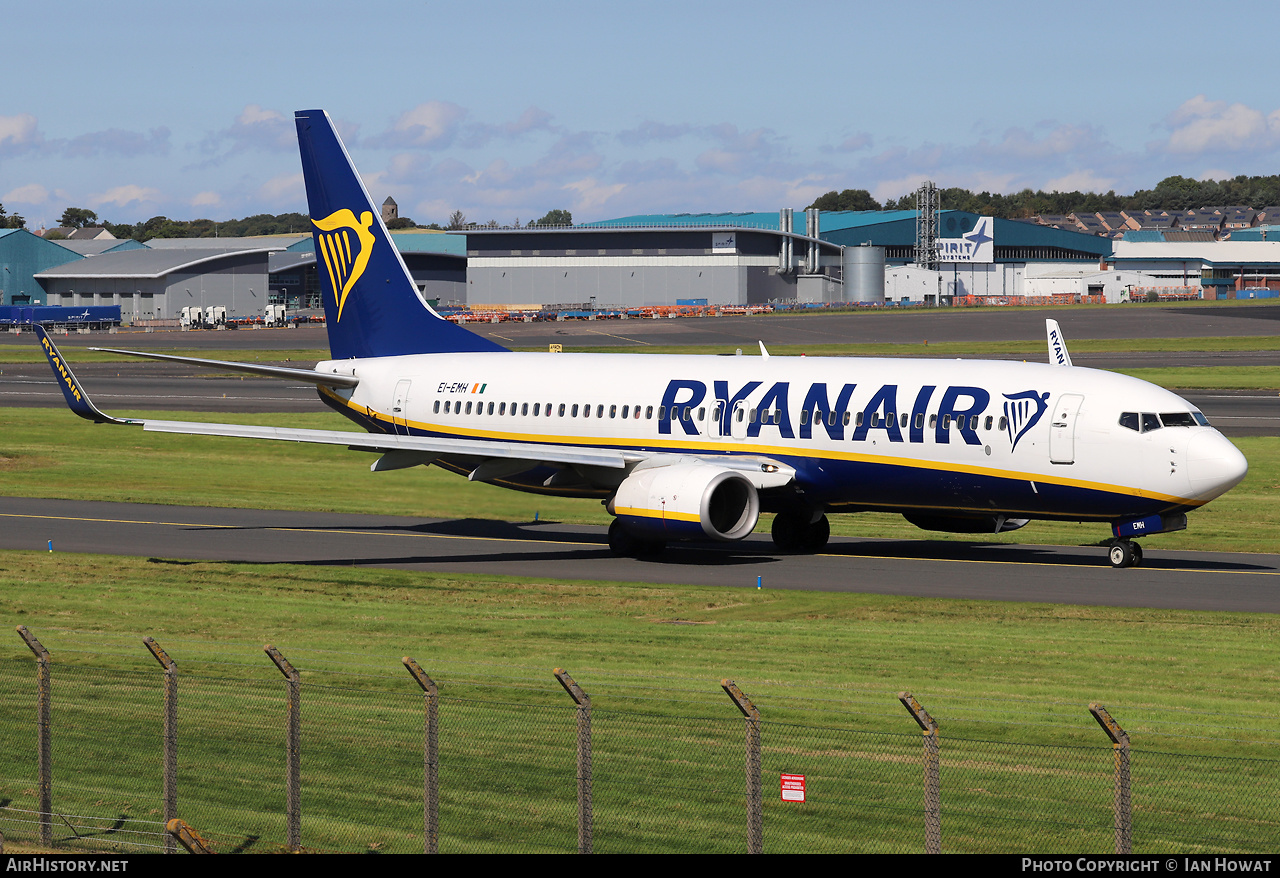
(696, 447)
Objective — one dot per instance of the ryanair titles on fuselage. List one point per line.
(958, 405)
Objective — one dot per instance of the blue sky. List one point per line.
(507, 110)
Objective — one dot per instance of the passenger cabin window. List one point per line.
(436, 408)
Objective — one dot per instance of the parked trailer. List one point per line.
(90, 316)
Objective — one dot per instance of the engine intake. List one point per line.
(687, 501)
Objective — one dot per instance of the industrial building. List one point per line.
(736, 259)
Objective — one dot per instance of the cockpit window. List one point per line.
(1150, 422)
(1130, 420)
(1200, 419)
(1177, 419)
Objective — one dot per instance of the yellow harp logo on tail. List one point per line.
(345, 244)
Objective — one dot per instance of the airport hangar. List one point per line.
(725, 259)
(157, 280)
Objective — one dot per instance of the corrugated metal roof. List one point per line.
(146, 263)
(1209, 253)
(258, 242)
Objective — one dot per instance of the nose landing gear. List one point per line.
(1124, 553)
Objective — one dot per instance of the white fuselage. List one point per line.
(968, 436)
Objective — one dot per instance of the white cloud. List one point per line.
(206, 199)
(32, 193)
(285, 187)
(18, 133)
(1201, 125)
(592, 194)
(121, 196)
(434, 124)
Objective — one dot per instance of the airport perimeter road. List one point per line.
(923, 568)
(897, 327)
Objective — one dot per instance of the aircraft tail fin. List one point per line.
(372, 306)
(1058, 355)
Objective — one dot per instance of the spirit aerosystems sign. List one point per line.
(975, 246)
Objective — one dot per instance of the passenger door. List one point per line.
(400, 408)
(1062, 429)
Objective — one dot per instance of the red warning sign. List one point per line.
(793, 788)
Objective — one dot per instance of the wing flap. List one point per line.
(477, 448)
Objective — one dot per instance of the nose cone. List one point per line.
(1214, 465)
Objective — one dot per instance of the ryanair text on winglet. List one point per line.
(61, 369)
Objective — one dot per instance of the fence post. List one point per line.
(932, 780)
(190, 839)
(755, 804)
(583, 700)
(170, 737)
(1120, 749)
(430, 760)
(44, 757)
(292, 770)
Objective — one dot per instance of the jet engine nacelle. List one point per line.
(692, 500)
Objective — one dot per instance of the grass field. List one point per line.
(52, 453)
(1024, 765)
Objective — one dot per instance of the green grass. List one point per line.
(1032, 349)
(52, 453)
(1024, 765)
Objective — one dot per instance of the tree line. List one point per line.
(259, 224)
(1171, 193)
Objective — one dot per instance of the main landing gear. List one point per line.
(1124, 553)
(624, 544)
(800, 533)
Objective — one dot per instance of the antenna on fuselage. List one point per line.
(763, 352)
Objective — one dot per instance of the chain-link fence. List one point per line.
(494, 759)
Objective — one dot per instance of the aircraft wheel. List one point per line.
(793, 532)
(1121, 554)
(621, 542)
(1137, 554)
(788, 531)
(817, 534)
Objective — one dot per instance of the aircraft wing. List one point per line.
(335, 379)
(400, 451)
(428, 445)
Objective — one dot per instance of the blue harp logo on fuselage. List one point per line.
(345, 244)
(1023, 411)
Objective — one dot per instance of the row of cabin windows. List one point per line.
(688, 414)
(1145, 422)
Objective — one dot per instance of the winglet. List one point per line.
(1058, 355)
(77, 400)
